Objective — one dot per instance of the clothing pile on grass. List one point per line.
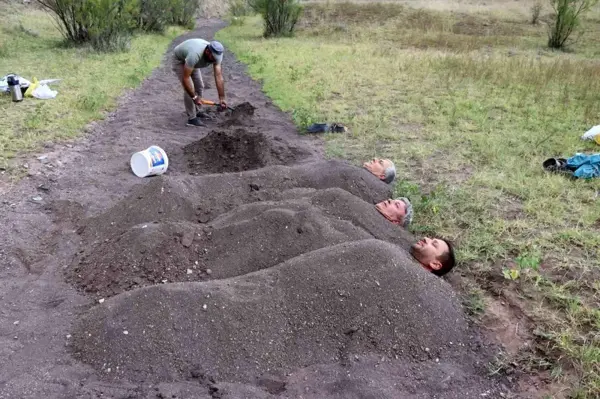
(579, 166)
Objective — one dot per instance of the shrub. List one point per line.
(154, 15)
(566, 19)
(536, 10)
(280, 16)
(239, 8)
(71, 17)
(183, 12)
(106, 24)
(111, 23)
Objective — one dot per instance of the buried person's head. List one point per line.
(384, 169)
(435, 254)
(398, 211)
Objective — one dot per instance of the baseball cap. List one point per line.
(216, 48)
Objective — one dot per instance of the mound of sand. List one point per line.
(332, 204)
(203, 198)
(158, 200)
(217, 194)
(321, 307)
(171, 252)
(235, 151)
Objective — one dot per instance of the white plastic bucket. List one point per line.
(152, 161)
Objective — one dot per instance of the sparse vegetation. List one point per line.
(536, 10)
(566, 19)
(469, 106)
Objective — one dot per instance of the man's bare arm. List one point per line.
(186, 81)
(219, 82)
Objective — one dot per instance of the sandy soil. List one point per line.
(253, 269)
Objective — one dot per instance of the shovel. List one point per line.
(208, 102)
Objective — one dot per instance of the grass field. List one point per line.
(31, 46)
(468, 105)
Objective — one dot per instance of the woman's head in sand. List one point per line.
(397, 211)
(435, 254)
(384, 169)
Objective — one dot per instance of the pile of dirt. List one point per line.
(234, 151)
(338, 174)
(325, 306)
(149, 253)
(216, 194)
(242, 111)
(332, 204)
(248, 241)
(157, 200)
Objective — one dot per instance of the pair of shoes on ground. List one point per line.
(326, 127)
(557, 165)
(197, 120)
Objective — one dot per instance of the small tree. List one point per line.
(280, 16)
(566, 19)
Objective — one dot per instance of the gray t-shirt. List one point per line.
(191, 52)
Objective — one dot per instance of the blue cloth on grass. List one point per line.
(585, 166)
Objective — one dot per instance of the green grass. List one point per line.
(468, 106)
(31, 46)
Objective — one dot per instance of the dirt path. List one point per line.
(252, 269)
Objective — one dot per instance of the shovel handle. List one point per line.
(208, 102)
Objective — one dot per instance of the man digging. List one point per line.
(188, 58)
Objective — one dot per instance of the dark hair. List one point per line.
(447, 259)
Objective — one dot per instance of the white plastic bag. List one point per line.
(43, 92)
(590, 134)
(49, 81)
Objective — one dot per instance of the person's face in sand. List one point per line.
(392, 210)
(433, 253)
(378, 167)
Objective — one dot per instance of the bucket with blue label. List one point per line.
(150, 162)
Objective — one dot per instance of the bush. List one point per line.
(280, 16)
(154, 15)
(239, 8)
(536, 9)
(183, 12)
(106, 24)
(111, 23)
(566, 19)
(71, 16)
